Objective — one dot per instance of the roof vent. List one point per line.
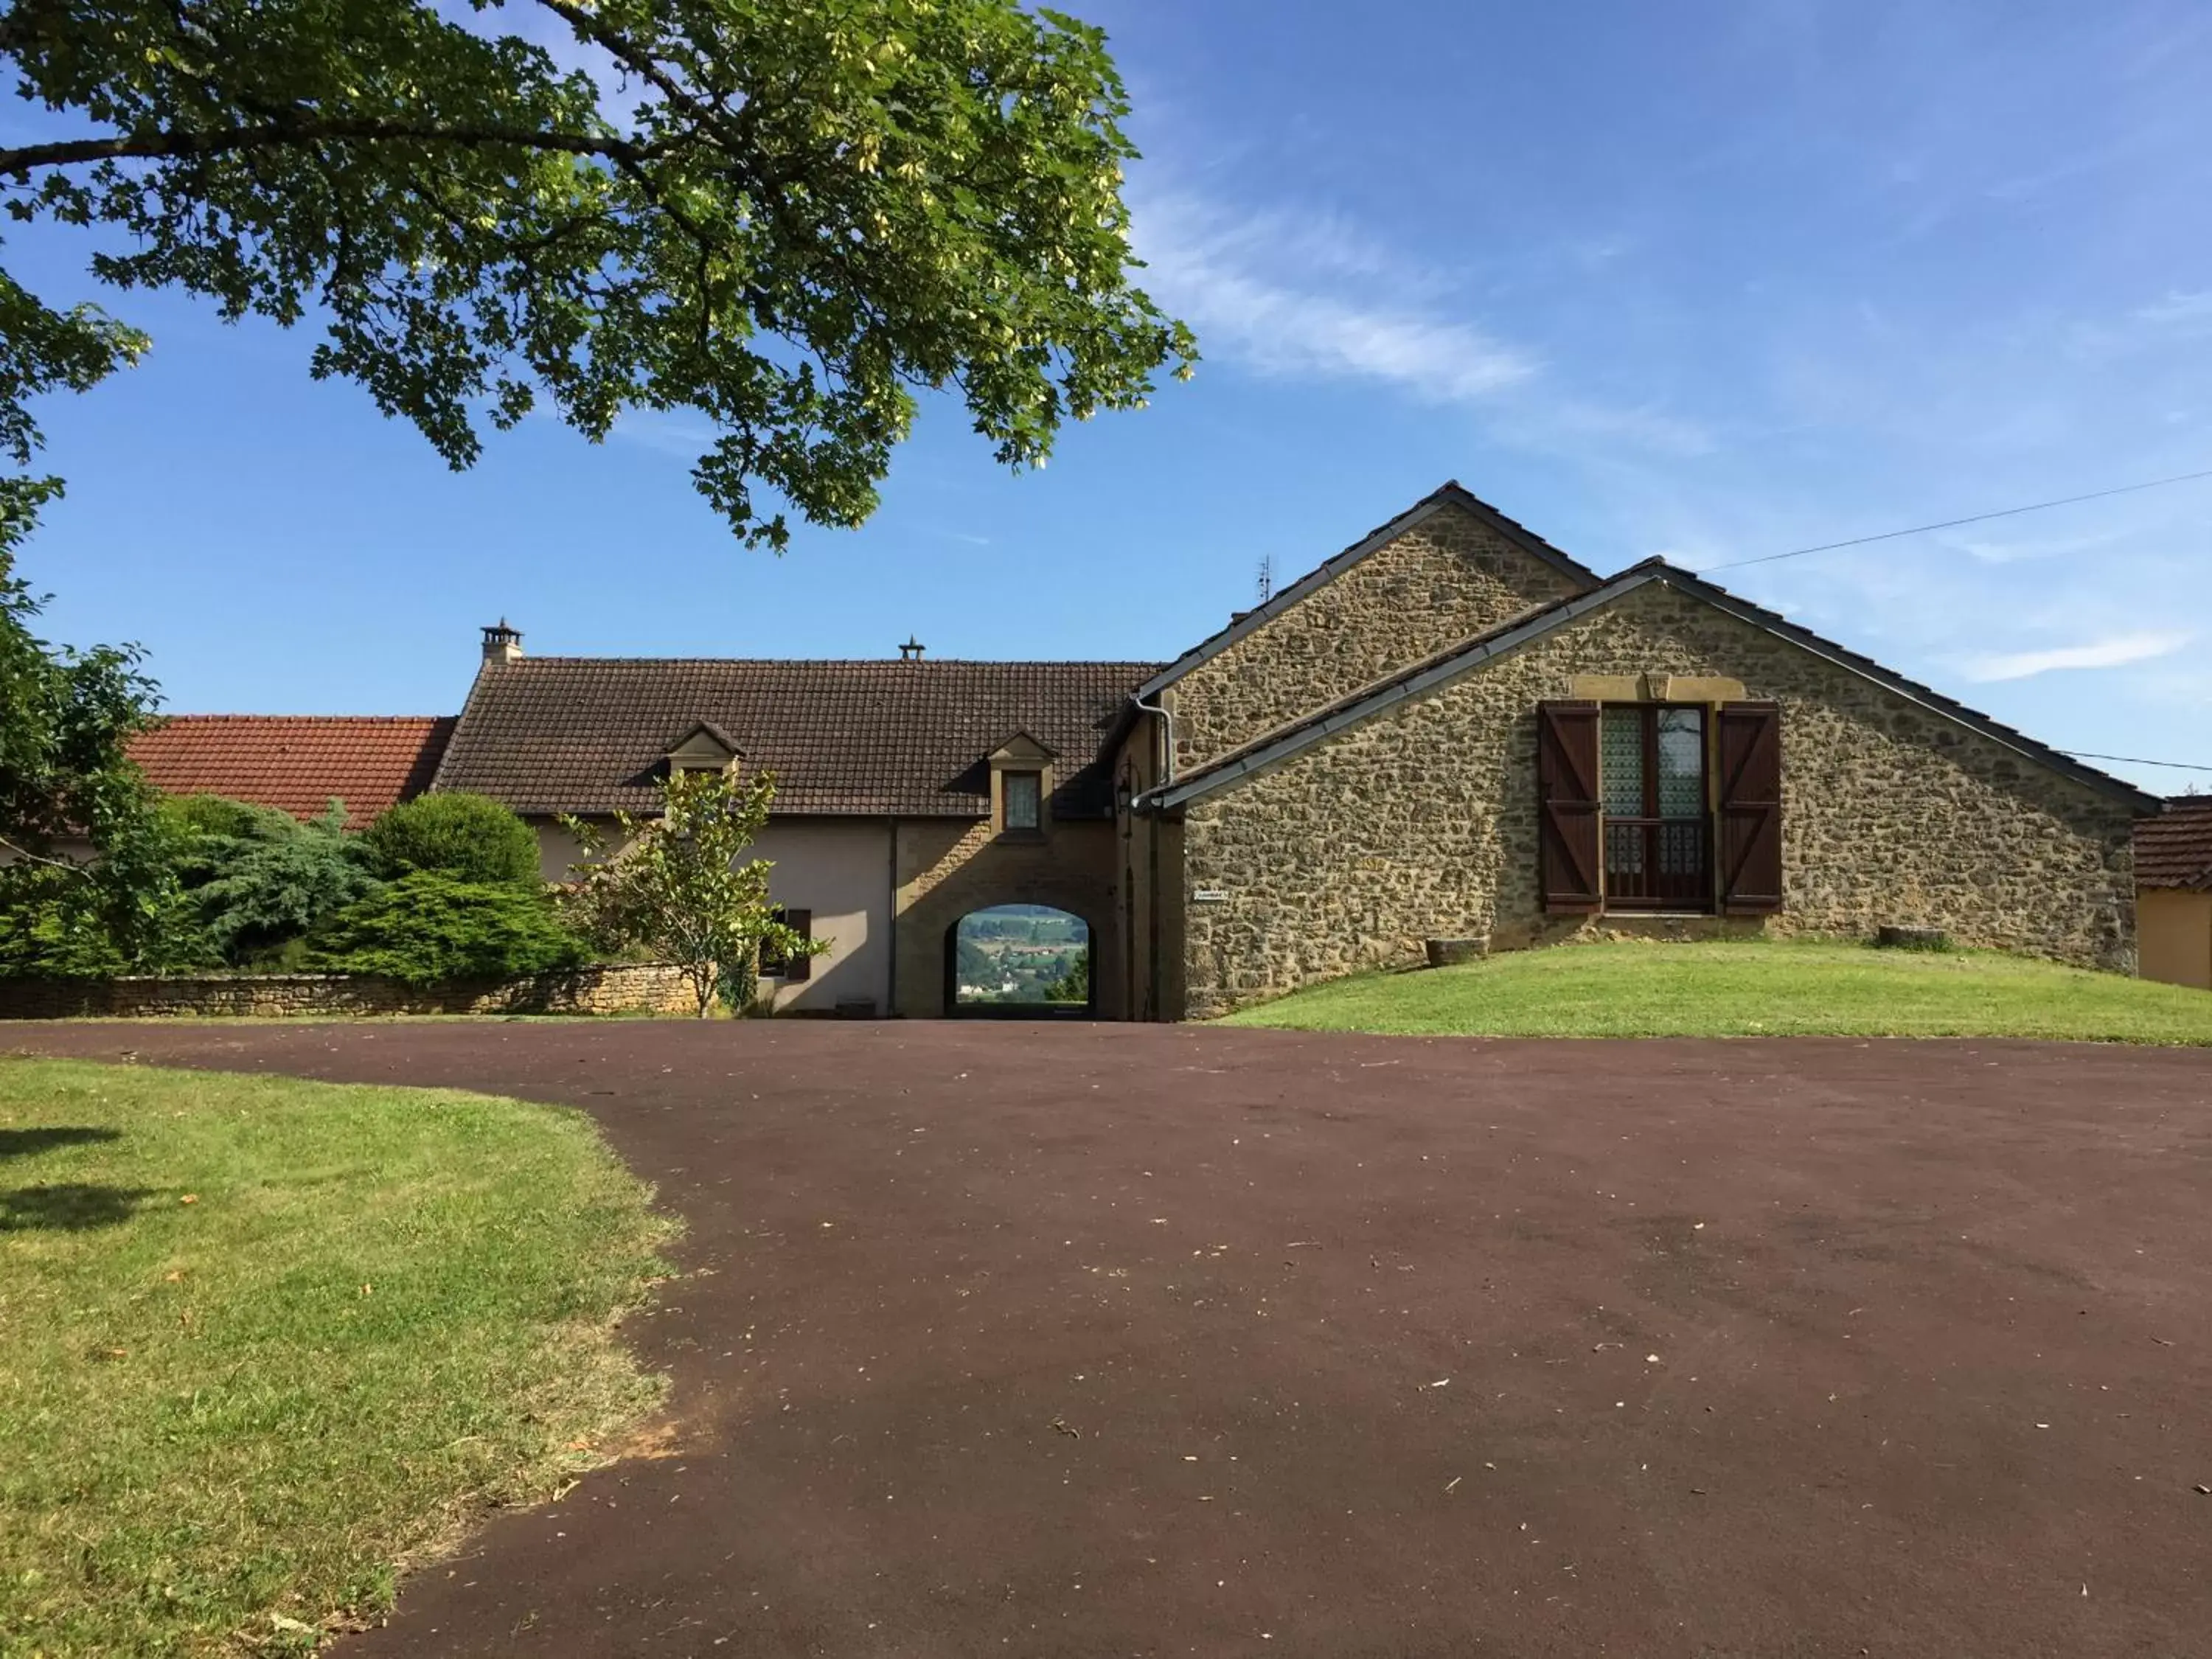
(503, 643)
(911, 651)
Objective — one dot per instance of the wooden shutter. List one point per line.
(1567, 805)
(800, 966)
(1750, 808)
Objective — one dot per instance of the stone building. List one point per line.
(1450, 734)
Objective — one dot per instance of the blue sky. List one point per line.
(1711, 281)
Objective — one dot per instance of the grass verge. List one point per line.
(263, 1342)
(1743, 989)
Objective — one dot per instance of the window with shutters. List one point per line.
(1659, 806)
(794, 969)
(1658, 834)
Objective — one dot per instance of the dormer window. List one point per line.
(1021, 784)
(703, 748)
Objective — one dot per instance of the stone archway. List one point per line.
(1007, 962)
(949, 873)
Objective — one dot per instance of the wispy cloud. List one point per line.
(1580, 425)
(2179, 309)
(2114, 651)
(1310, 296)
(1272, 292)
(2019, 551)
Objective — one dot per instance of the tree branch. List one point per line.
(28, 857)
(179, 146)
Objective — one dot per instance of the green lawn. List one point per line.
(1731, 989)
(262, 1341)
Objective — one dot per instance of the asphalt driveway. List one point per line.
(1143, 1341)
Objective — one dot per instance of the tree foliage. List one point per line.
(1073, 986)
(470, 838)
(66, 717)
(258, 879)
(784, 215)
(429, 928)
(680, 885)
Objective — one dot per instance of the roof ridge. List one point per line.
(357, 718)
(901, 663)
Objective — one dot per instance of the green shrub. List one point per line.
(258, 880)
(470, 838)
(428, 928)
(220, 818)
(265, 894)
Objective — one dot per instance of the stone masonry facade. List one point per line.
(1447, 578)
(1421, 821)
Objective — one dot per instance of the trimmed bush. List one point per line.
(472, 838)
(428, 928)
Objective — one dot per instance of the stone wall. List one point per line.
(1421, 821)
(1448, 577)
(621, 988)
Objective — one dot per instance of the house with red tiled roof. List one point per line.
(1447, 738)
(297, 764)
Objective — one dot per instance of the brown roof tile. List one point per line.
(589, 734)
(2174, 849)
(298, 764)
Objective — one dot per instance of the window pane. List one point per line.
(1021, 799)
(1682, 762)
(1621, 764)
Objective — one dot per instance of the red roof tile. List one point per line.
(2174, 849)
(298, 764)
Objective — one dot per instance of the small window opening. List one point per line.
(1022, 798)
(793, 969)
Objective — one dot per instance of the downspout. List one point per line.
(1153, 924)
(1151, 1000)
(890, 929)
(1166, 718)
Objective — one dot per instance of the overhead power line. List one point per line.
(2136, 760)
(1977, 518)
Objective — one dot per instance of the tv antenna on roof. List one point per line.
(1266, 582)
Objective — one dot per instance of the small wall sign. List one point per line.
(1210, 896)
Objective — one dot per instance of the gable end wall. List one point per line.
(1447, 578)
(1421, 821)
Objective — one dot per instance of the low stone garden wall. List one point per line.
(657, 987)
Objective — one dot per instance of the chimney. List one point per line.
(503, 643)
(910, 652)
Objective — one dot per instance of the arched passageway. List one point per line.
(1020, 962)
